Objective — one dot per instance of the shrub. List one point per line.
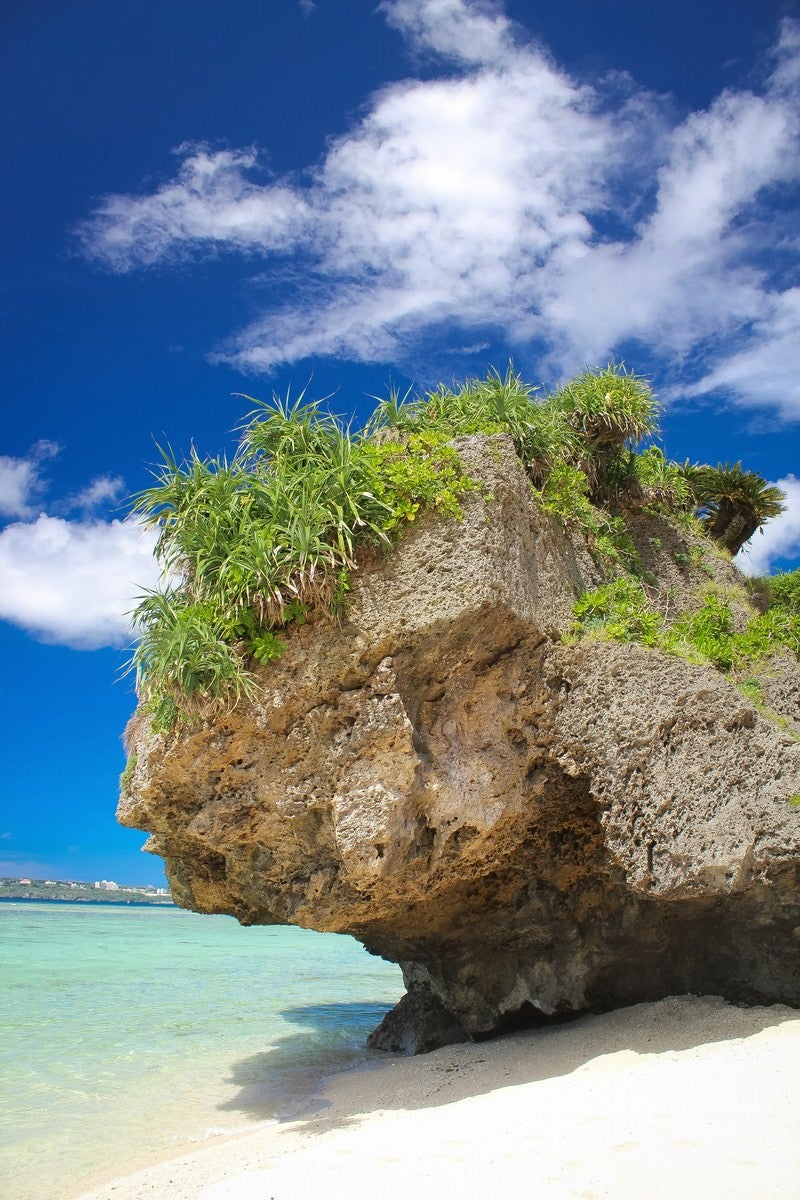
(619, 610)
(126, 778)
(664, 486)
(564, 494)
(497, 404)
(608, 407)
(783, 591)
(253, 545)
(707, 631)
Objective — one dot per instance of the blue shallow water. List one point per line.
(129, 1033)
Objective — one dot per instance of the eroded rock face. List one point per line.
(529, 828)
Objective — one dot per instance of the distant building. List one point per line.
(107, 885)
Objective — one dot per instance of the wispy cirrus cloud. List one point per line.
(211, 202)
(21, 482)
(476, 32)
(766, 368)
(105, 489)
(506, 197)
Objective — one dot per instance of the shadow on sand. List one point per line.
(286, 1083)
(288, 1079)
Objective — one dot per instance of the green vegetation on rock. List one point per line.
(126, 778)
(622, 610)
(270, 539)
(586, 425)
(253, 545)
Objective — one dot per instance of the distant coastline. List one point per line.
(73, 892)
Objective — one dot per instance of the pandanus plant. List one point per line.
(251, 545)
(606, 410)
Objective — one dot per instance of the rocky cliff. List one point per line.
(531, 828)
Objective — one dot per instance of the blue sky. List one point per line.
(206, 199)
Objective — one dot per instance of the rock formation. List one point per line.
(531, 828)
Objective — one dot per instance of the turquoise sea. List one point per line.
(131, 1033)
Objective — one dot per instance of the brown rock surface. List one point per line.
(530, 828)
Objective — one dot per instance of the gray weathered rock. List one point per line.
(531, 828)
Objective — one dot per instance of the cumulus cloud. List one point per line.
(686, 273)
(507, 197)
(74, 582)
(778, 539)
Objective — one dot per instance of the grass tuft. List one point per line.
(257, 544)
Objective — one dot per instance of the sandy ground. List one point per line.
(686, 1099)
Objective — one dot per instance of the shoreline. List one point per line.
(684, 1097)
(80, 902)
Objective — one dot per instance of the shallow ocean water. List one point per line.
(132, 1032)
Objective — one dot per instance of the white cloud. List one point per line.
(684, 275)
(73, 582)
(472, 32)
(20, 480)
(211, 202)
(778, 539)
(104, 489)
(445, 204)
(485, 200)
(786, 56)
(767, 368)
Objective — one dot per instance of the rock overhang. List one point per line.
(525, 825)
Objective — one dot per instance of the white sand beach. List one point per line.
(686, 1099)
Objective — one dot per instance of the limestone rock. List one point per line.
(530, 828)
(417, 1024)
